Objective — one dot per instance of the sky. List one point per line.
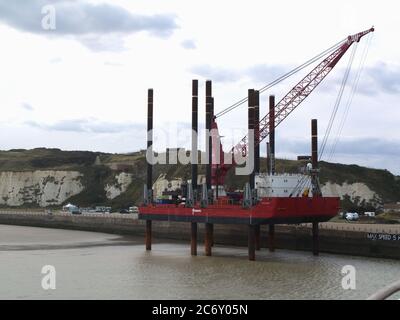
(81, 83)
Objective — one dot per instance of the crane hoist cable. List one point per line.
(351, 96)
(283, 77)
(337, 102)
(294, 190)
(303, 186)
(300, 186)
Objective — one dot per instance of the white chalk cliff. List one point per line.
(53, 187)
(42, 187)
(121, 184)
(356, 191)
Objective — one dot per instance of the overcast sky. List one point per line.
(83, 86)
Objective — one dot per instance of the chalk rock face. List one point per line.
(356, 191)
(122, 182)
(42, 187)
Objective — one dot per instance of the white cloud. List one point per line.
(27, 106)
(257, 74)
(188, 44)
(218, 74)
(87, 125)
(100, 27)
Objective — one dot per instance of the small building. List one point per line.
(391, 207)
(303, 158)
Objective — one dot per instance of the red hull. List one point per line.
(279, 210)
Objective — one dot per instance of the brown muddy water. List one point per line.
(92, 265)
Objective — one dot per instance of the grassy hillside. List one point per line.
(42, 158)
(96, 174)
(381, 181)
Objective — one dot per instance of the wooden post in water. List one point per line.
(271, 238)
(257, 237)
(208, 239)
(251, 243)
(212, 234)
(315, 235)
(193, 242)
(148, 235)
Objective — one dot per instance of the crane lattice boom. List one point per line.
(292, 100)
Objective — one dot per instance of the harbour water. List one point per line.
(102, 266)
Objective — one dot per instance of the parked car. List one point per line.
(351, 216)
(102, 209)
(75, 211)
(124, 211)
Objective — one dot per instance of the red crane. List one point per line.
(283, 108)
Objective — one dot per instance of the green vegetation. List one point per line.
(43, 158)
(94, 179)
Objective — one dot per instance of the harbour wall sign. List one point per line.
(383, 236)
